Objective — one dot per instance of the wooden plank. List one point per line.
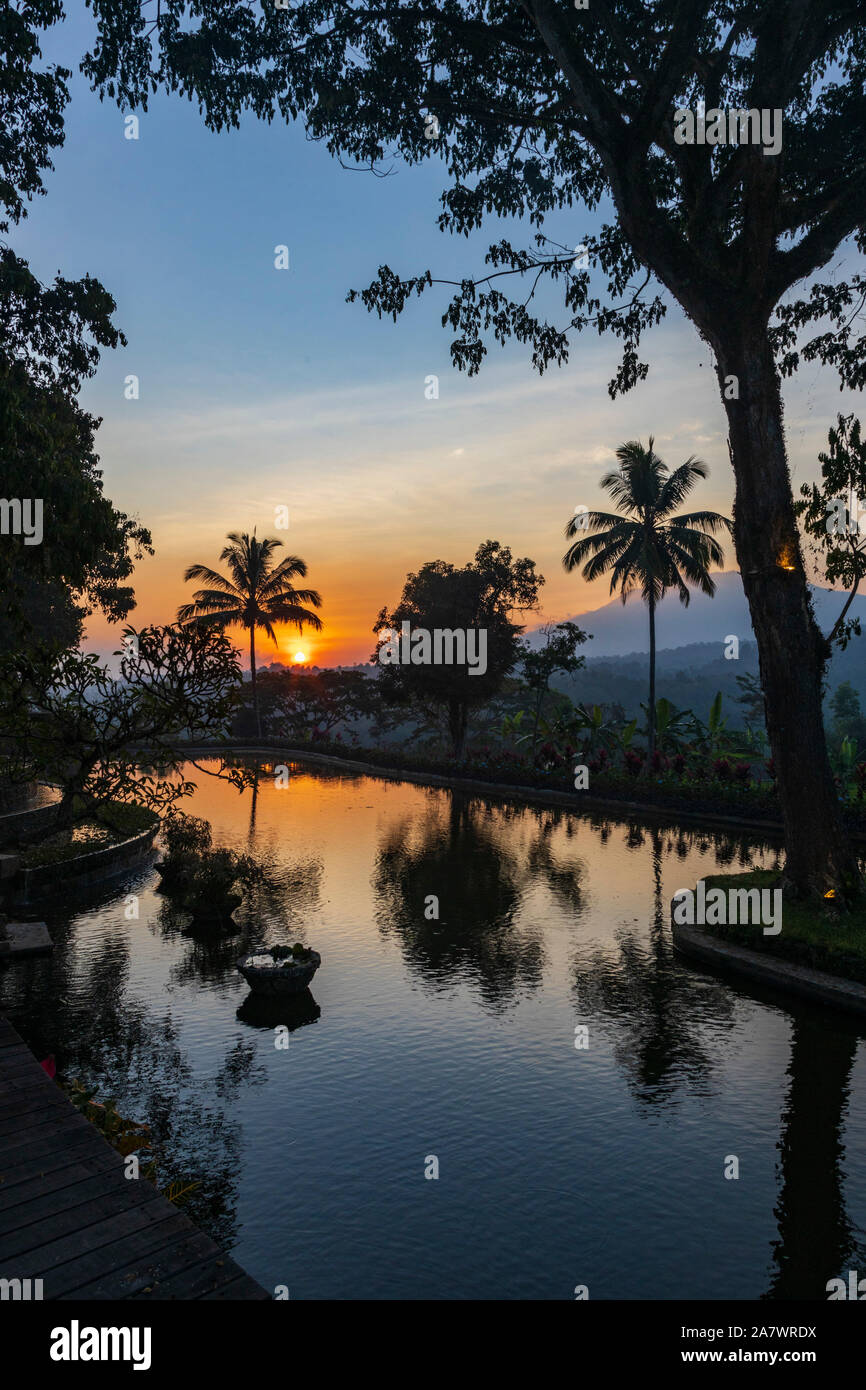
(38, 1108)
(21, 1101)
(61, 1201)
(108, 1261)
(43, 1131)
(186, 1248)
(70, 1216)
(69, 1171)
(196, 1281)
(102, 1238)
(51, 1155)
(77, 1219)
(18, 1065)
(244, 1287)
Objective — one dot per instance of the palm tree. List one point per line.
(645, 546)
(257, 595)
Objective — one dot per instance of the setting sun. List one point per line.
(300, 656)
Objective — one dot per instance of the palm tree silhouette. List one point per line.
(645, 546)
(257, 595)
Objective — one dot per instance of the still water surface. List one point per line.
(455, 1038)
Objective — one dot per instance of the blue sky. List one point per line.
(261, 387)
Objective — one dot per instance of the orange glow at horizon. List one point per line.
(353, 592)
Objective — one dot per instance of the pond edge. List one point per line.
(578, 801)
(97, 866)
(816, 985)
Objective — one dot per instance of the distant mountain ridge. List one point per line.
(622, 629)
(690, 659)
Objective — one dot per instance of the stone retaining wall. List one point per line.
(40, 881)
(800, 980)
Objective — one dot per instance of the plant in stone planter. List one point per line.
(185, 839)
(203, 880)
(280, 970)
(208, 885)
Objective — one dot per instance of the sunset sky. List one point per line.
(262, 388)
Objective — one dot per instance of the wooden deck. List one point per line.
(70, 1217)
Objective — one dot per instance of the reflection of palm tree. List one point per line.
(564, 880)
(816, 1239)
(650, 1001)
(253, 805)
(256, 596)
(645, 546)
(479, 879)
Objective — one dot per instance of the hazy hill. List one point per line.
(621, 629)
(690, 663)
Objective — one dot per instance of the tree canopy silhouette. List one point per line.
(537, 106)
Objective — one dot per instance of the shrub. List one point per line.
(201, 877)
(206, 884)
(185, 836)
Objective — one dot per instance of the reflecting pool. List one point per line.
(463, 943)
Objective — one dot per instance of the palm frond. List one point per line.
(591, 521)
(217, 581)
(679, 484)
(289, 568)
(597, 544)
(704, 521)
(700, 544)
(189, 613)
(296, 616)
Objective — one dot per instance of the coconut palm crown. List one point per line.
(258, 594)
(645, 546)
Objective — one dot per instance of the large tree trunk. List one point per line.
(652, 689)
(253, 679)
(791, 649)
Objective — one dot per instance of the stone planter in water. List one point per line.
(276, 970)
